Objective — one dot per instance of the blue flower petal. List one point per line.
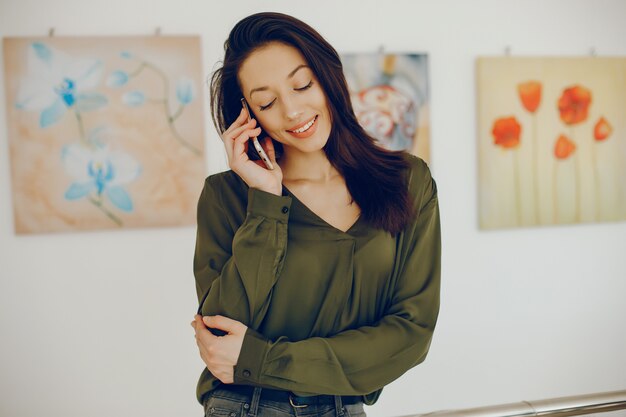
(126, 55)
(78, 190)
(110, 172)
(134, 98)
(42, 51)
(185, 91)
(66, 91)
(90, 101)
(52, 114)
(120, 198)
(96, 136)
(117, 79)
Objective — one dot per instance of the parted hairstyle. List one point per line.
(376, 178)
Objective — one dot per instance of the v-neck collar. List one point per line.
(323, 222)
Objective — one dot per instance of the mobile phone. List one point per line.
(255, 140)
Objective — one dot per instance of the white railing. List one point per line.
(565, 406)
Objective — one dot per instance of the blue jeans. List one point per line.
(225, 403)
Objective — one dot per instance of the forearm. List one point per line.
(353, 362)
(242, 288)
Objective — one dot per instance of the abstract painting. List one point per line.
(552, 140)
(104, 133)
(390, 97)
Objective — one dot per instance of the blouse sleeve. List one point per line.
(362, 360)
(236, 271)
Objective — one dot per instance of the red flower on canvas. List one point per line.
(530, 94)
(602, 129)
(564, 147)
(574, 104)
(506, 132)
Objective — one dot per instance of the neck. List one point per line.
(307, 167)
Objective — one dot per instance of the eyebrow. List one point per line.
(290, 75)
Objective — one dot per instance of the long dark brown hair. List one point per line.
(376, 178)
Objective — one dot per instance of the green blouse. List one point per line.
(328, 312)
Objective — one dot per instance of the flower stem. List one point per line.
(138, 70)
(182, 141)
(576, 177)
(81, 128)
(535, 169)
(555, 193)
(170, 118)
(517, 187)
(98, 203)
(177, 114)
(596, 178)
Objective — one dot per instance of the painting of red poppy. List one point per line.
(390, 97)
(551, 141)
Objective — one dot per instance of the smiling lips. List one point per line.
(305, 130)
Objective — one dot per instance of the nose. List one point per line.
(292, 110)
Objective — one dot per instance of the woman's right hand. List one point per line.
(253, 172)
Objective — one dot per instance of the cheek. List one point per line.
(320, 97)
(321, 101)
(269, 125)
(266, 123)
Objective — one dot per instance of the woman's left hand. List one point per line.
(219, 353)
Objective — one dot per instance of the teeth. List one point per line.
(305, 127)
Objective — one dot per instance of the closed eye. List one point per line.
(267, 106)
(306, 87)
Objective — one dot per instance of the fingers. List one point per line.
(199, 327)
(239, 144)
(270, 150)
(241, 134)
(238, 122)
(229, 136)
(219, 322)
(214, 351)
(237, 130)
(204, 338)
(232, 327)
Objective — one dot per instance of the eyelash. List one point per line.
(306, 87)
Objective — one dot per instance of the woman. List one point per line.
(318, 280)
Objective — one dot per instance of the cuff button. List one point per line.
(285, 209)
(246, 373)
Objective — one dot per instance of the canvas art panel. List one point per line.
(104, 132)
(551, 140)
(390, 97)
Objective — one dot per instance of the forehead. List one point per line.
(269, 64)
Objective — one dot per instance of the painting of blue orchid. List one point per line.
(100, 175)
(56, 83)
(104, 133)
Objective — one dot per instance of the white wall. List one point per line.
(97, 324)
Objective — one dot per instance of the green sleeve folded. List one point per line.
(236, 270)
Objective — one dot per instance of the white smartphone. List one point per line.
(255, 140)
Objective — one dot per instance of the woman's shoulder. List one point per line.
(226, 187)
(417, 165)
(419, 175)
(226, 181)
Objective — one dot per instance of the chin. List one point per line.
(314, 145)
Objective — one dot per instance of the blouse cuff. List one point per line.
(251, 358)
(262, 203)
